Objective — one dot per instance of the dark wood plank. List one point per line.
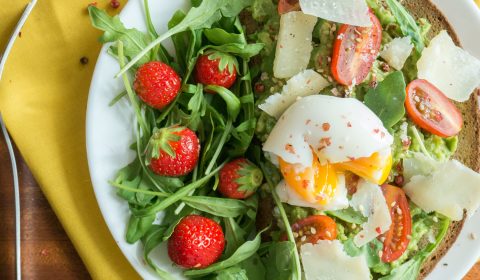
(47, 253)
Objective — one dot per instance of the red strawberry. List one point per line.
(157, 84)
(196, 242)
(239, 179)
(173, 151)
(216, 68)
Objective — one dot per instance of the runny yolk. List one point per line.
(316, 184)
(374, 168)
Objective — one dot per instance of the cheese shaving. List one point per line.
(353, 12)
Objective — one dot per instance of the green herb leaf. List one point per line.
(244, 51)
(234, 236)
(279, 260)
(242, 253)
(199, 17)
(233, 103)
(221, 207)
(137, 227)
(348, 215)
(407, 23)
(388, 98)
(150, 241)
(369, 251)
(233, 8)
(133, 40)
(220, 36)
(232, 273)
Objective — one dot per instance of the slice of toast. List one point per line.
(469, 139)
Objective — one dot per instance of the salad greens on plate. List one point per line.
(273, 136)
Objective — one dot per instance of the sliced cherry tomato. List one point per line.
(354, 51)
(314, 228)
(286, 6)
(430, 109)
(397, 237)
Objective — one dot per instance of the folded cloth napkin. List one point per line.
(43, 96)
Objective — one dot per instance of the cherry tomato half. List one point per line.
(286, 6)
(397, 237)
(314, 228)
(354, 51)
(430, 109)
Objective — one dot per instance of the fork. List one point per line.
(3, 60)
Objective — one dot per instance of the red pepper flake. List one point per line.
(351, 158)
(326, 126)
(382, 134)
(349, 124)
(289, 148)
(93, 4)
(308, 121)
(399, 180)
(305, 183)
(376, 130)
(406, 143)
(281, 46)
(378, 230)
(115, 4)
(326, 141)
(308, 82)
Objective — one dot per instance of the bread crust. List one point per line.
(469, 139)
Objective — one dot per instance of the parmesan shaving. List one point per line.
(353, 12)
(397, 51)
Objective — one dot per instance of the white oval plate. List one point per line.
(110, 133)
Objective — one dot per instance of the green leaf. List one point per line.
(348, 215)
(180, 40)
(221, 207)
(388, 98)
(242, 253)
(369, 251)
(231, 273)
(150, 241)
(407, 271)
(254, 268)
(114, 30)
(137, 227)
(199, 17)
(220, 36)
(233, 103)
(407, 23)
(279, 260)
(234, 236)
(244, 51)
(233, 8)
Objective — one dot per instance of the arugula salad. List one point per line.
(285, 139)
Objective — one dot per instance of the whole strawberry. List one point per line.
(239, 179)
(216, 68)
(157, 84)
(173, 151)
(196, 242)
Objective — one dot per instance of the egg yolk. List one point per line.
(316, 184)
(374, 168)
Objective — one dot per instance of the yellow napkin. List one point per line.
(43, 97)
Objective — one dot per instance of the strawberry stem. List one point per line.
(161, 141)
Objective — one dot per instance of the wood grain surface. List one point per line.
(47, 253)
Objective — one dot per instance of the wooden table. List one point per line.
(47, 253)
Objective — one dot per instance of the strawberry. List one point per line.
(157, 84)
(196, 242)
(216, 68)
(239, 179)
(173, 151)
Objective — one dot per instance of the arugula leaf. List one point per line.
(233, 8)
(199, 17)
(231, 273)
(242, 253)
(137, 227)
(150, 241)
(219, 36)
(387, 99)
(133, 40)
(369, 251)
(279, 260)
(407, 23)
(221, 207)
(244, 51)
(348, 215)
(232, 101)
(180, 40)
(254, 268)
(234, 236)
